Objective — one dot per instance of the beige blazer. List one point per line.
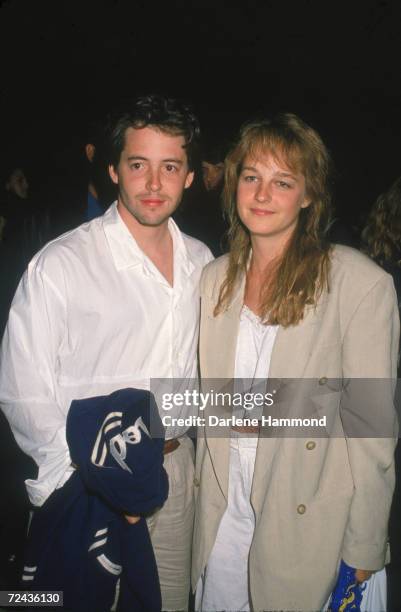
(315, 500)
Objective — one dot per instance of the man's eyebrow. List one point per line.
(174, 160)
(168, 160)
(132, 157)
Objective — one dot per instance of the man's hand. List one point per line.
(362, 575)
(132, 519)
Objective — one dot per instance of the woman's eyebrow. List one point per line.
(287, 174)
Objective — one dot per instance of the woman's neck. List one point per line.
(263, 254)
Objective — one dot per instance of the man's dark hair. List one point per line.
(165, 114)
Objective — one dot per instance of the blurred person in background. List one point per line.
(19, 238)
(201, 213)
(24, 228)
(381, 236)
(381, 240)
(100, 189)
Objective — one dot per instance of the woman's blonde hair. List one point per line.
(301, 273)
(382, 234)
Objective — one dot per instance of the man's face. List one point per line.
(151, 176)
(18, 184)
(212, 174)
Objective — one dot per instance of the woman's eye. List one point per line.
(249, 178)
(283, 184)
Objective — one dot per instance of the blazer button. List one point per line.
(323, 380)
(301, 509)
(196, 482)
(310, 445)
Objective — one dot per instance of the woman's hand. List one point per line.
(362, 575)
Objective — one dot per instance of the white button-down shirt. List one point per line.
(93, 314)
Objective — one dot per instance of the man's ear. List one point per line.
(113, 174)
(189, 179)
(90, 151)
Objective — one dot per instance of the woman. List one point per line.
(381, 240)
(381, 236)
(275, 515)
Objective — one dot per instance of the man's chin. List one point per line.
(149, 221)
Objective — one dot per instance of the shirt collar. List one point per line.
(125, 250)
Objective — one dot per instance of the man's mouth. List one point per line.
(152, 202)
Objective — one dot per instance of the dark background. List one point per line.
(336, 64)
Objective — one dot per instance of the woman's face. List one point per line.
(270, 197)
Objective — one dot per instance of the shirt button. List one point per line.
(323, 380)
(310, 445)
(196, 482)
(301, 509)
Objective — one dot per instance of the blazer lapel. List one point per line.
(226, 334)
(293, 347)
(290, 355)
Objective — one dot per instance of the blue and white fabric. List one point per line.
(80, 541)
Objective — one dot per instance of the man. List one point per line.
(23, 229)
(110, 305)
(201, 214)
(99, 190)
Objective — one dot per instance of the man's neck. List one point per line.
(154, 241)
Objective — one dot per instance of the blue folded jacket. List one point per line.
(347, 594)
(79, 540)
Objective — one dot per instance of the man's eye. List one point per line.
(171, 168)
(136, 166)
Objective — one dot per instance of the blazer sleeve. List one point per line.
(370, 352)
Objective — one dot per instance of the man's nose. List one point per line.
(153, 180)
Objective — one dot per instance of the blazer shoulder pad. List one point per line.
(355, 268)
